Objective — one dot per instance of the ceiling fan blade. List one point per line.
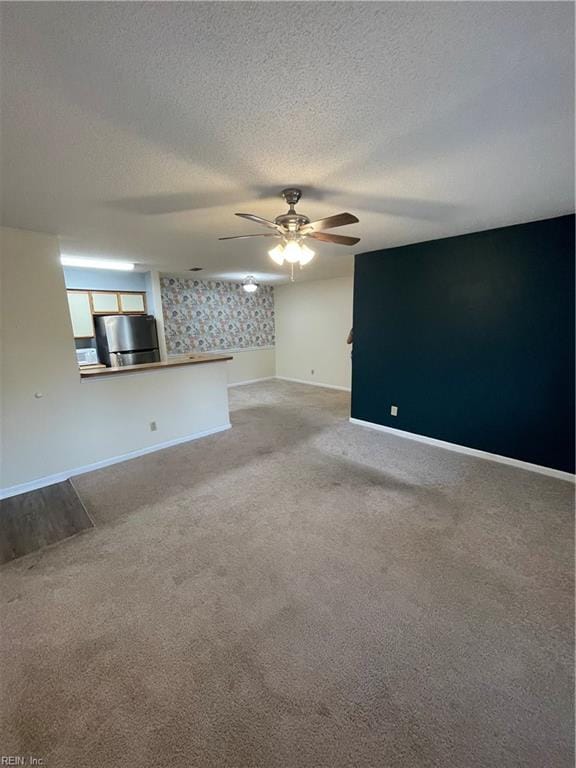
(326, 237)
(258, 220)
(339, 220)
(260, 234)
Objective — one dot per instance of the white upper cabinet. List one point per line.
(81, 314)
(84, 304)
(132, 302)
(104, 303)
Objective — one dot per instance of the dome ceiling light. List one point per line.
(249, 284)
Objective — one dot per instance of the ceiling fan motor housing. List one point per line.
(292, 221)
(291, 195)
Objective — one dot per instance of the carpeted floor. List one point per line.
(297, 592)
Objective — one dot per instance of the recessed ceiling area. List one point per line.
(135, 130)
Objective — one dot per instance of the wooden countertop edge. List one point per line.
(97, 372)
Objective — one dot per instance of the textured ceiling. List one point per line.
(135, 130)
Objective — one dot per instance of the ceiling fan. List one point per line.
(294, 228)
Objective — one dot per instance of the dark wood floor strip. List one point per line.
(38, 518)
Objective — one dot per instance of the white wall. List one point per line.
(75, 423)
(155, 308)
(251, 364)
(247, 365)
(313, 320)
(104, 279)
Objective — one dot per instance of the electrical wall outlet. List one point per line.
(394, 410)
(153, 426)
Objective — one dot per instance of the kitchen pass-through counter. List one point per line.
(92, 373)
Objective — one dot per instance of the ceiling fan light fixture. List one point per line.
(306, 255)
(292, 252)
(249, 284)
(277, 254)
(293, 228)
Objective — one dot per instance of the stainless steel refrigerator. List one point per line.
(126, 339)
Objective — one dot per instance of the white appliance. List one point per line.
(87, 356)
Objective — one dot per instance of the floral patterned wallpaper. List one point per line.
(208, 315)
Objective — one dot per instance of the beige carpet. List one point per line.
(297, 592)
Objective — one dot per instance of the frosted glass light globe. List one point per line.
(277, 254)
(306, 255)
(250, 285)
(292, 252)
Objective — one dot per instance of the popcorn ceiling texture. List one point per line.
(208, 315)
(138, 129)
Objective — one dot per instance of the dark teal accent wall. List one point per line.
(472, 337)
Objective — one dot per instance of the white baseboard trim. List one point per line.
(250, 381)
(557, 473)
(315, 383)
(60, 477)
